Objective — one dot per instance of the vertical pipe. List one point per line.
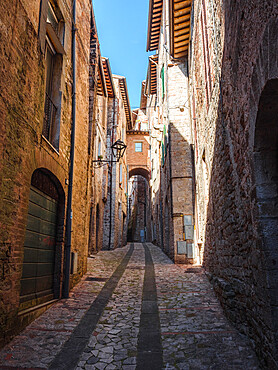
(69, 204)
(127, 194)
(145, 211)
(161, 225)
(111, 174)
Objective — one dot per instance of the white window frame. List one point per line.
(141, 145)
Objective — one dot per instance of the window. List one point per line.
(164, 146)
(99, 149)
(50, 109)
(120, 211)
(205, 177)
(138, 147)
(53, 69)
(54, 23)
(52, 18)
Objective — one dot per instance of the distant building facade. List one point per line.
(115, 213)
(103, 114)
(138, 160)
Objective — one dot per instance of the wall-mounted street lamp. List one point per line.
(118, 150)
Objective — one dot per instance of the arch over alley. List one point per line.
(139, 165)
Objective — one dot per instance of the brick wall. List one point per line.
(82, 179)
(23, 149)
(138, 159)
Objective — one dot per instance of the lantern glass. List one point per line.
(118, 149)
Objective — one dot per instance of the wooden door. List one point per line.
(39, 250)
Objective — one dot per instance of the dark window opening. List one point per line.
(50, 109)
(54, 50)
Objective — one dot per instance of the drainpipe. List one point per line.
(127, 195)
(111, 175)
(161, 224)
(69, 204)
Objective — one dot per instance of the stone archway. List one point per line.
(263, 149)
(265, 156)
(141, 171)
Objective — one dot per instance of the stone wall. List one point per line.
(23, 148)
(108, 217)
(120, 185)
(82, 178)
(115, 215)
(100, 174)
(174, 199)
(237, 43)
(93, 108)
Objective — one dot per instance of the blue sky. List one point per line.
(122, 31)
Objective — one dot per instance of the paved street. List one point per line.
(133, 309)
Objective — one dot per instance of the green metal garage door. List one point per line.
(39, 250)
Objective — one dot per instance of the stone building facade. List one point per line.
(233, 97)
(115, 213)
(218, 63)
(103, 113)
(167, 91)
(35, 143)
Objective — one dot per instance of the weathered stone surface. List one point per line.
(23, 149)
(115, 211)
(235, 43)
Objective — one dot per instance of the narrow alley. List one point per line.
(138, 184)
(134, 309)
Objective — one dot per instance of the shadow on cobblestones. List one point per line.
(194, 331)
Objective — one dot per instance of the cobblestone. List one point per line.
(41, 341)
(194, 331)
(120, 318)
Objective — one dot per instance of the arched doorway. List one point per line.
(40, 280)
(266, 180)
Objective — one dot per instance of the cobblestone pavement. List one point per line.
(193, 330)
(195, 333)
